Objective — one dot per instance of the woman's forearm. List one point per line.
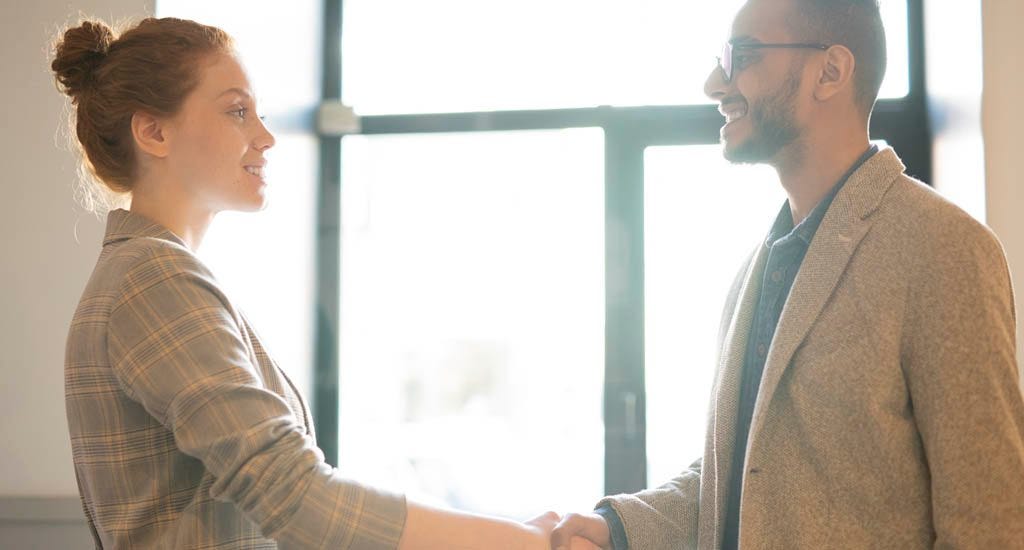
(429, 528)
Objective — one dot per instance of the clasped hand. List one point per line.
(573, 531)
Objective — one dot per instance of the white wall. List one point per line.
(49, 246)
(1002, 123)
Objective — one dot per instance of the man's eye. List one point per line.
(240, 113)
(742, 60)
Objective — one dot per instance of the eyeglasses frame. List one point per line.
(729, 52)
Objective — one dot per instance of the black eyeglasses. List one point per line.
(728, 59)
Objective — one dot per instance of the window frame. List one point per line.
(903, 123)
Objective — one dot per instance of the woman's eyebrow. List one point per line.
(238, 91)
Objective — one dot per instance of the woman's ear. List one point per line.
(150, 134)
(836, 72)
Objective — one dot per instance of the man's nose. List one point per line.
(714, 86)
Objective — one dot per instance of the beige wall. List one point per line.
(1002, 123)
(49, 247)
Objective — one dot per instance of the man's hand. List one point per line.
(590, 527)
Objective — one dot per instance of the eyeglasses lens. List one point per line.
(726, 61)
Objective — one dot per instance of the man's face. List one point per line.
(761, 100)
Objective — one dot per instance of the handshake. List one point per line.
(573, 531)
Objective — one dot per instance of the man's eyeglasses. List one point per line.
(728, 60)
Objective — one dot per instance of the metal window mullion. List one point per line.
(328, 251)
(624, 392)
(905, 123)
(670, 123)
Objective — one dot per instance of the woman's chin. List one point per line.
(255, 203)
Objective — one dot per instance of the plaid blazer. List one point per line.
(184, 432)
(889, 413)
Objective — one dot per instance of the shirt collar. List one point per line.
(123, 225)
(783, 226)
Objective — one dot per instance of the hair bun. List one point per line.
(78, 53)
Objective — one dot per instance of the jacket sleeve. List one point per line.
(177, 348)
(961, 370)
(664, 517)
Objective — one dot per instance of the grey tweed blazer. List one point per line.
(889, 414)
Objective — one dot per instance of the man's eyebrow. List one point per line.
(238, 91)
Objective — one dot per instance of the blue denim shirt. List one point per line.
(787, 246)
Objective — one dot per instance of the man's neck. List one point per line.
(810, 177)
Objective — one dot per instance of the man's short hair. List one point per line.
(856, 24)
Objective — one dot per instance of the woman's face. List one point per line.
(219, 140)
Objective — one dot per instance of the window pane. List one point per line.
(410, 56)
(897, 73)
(472, 317)
(703, 217)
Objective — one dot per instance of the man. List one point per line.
(866, 394)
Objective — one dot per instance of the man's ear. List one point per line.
(150, 134)
(836, 72)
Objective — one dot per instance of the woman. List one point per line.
(184, 432)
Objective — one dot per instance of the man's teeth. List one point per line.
(733, 115)
(255, 170)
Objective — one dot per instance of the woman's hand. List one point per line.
(542, 525)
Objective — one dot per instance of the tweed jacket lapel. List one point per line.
(846, 223)
(727, 385)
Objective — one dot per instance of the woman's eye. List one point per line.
(240, 113)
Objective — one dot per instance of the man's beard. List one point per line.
(772, 126)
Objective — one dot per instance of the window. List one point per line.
(408, 56)
(520, 259)
(459, 101)
(471, 316)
